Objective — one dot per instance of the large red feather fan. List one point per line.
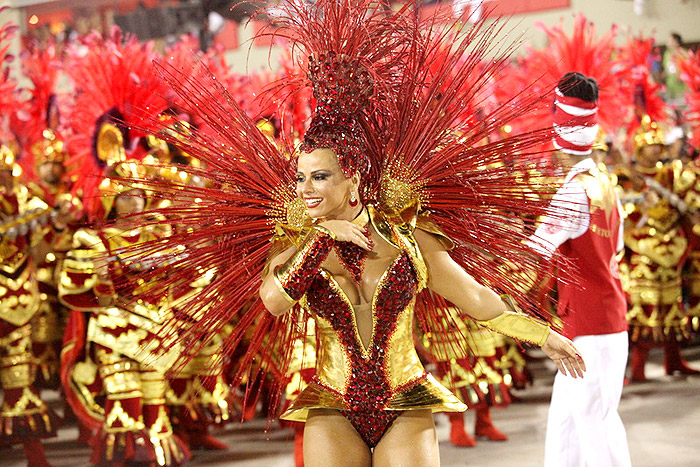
(690, 74)
(116, 83)
(423, 155)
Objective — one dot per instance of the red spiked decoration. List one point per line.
(690, 74)
(647, 100)
(40, 126)
(420, 155)
(582, 52)
(117, 89)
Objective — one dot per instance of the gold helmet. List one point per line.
(649, 133)
(7, 158)
(121, 171)
(122, 177)
(49, 149)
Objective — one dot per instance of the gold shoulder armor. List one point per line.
(86, 238)
(426, 224)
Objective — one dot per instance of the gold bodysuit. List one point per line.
(371, 385)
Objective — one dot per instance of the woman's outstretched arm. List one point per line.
(448, 279)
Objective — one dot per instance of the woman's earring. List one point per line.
(353, 200)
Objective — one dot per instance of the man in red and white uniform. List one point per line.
(584, 226)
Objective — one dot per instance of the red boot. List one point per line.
(484, 426)
(298, 444)
(458, 435)
(640, 352)
(204, 440)
(34, 451)
(674, 362)
(85, 435)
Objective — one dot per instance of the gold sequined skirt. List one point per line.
(424, 393)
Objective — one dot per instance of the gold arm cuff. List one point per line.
(519, 326)
(297, 265)
(281, 288)
(325, 231)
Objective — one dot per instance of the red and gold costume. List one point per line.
(120, 380)
(375, 101)
(116, 352)
(197, 396)
(690, 74)
(23, 414)
(656, 248)
(479, 374)
(656, 251)
(44, 143)
(371, 385)
(686, 185)
(49, 324)
(24, 417)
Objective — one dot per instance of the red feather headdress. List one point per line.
(421, 153)
(42, 130)
(690, 74)
(8, 87)
(583, 52)
(648, 104)
(117, 90)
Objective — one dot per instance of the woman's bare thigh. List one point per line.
(410, 441)
(331, 440)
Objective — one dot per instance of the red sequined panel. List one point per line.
(352, 257)
(368, 390)
(307, 262)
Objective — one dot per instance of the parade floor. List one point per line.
(662, 418)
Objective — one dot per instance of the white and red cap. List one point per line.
(575, 124)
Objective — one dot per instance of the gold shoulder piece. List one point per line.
(426, 224)
(85, 238)
(381, 224)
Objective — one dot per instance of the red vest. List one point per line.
(595, 304)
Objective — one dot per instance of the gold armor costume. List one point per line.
(23, 414)
(124, 359)
(656, 247)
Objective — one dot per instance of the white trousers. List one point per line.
(584, 427)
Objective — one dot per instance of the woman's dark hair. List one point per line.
(578, 85)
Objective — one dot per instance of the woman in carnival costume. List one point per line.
(379, 216)
(113, 361)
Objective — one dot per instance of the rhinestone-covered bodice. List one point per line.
(371, 381)
(367, 388)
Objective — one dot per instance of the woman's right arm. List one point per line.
(289, 274)
(274, 300)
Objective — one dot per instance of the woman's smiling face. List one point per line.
(322, 185)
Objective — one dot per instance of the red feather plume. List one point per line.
(419, 143)
(690, 74)
(582, 51)
(116, 76)
(647, 100)
(8, 86)
(43, 108)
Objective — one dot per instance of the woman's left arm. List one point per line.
(448, 279)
